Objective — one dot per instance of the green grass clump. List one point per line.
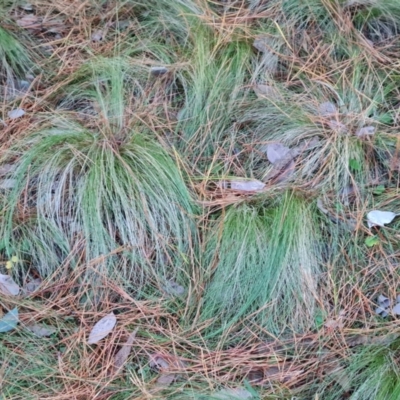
(110, 183)
(370, 373)
(127, 194)
(14, 58)
(264, 263)
(209, 109)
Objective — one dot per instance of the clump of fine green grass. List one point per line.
(197, 58)
(372, 372)
(264, 265)
(110, 186)
(329, 152)
(209, 110)
(15, 60)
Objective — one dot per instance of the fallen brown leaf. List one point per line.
(123, 354)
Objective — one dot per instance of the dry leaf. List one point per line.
(261, 44)
(233, 394)
(277, 152)
(383, 301)
(281, 171)
(173, 289)
(381, 311)
(121, 24)
(336, 371)
(263, 91)
(346, 193)
(282, 159)
(9, 321)
(6, 168)
(247, 186)
(102, 328)
(8, 286)
(337, 126)
(158, 362)
(380, 218)
(41, 330)
(33, 285)
(16, 113)
(98, 36)
(251, 185)
(157, 71)
(327, 108)
(255, 376)
(396, 309)
(123, 353)
(383, 306)
(366, 131)
(334, 323)
(28, 21)
(166, 379)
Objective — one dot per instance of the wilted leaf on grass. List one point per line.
(380, 218)
(41, 330)
(8, 286)
(166, 379)
(6, 168)
(233, 394)
(337, 126)
(255, 376)
(383, 306)
(396, 309)
(333, 324)
(123, 353)
(102, 328)
(327, 108)
(33, 285)
(97, 36)
(159, 363)
(282, 159)
(121, 24)
(277, 152)
(247, 186)
(157, 71)
(261, 44)
(16, 113)
(28, 21)
(251, 185)
(383, 301)
(281, 171)
(336, 370)
(366, 131)
(9, 321)
(173, 288)
(337, 322)
(263, 91)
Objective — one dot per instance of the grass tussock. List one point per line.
(263, 265)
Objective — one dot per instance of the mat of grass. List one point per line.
(123, 125)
